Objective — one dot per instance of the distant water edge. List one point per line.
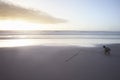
(16, 39)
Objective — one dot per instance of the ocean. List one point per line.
(58, 38)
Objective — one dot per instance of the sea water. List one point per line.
(86, 39)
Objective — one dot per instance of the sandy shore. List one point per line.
(54, 63)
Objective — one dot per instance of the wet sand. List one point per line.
(57, 63)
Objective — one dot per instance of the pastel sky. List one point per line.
(64, 14)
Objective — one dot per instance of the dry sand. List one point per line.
(54, 63)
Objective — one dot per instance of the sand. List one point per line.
(57, 63)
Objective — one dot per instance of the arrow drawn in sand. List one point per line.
(72, 57)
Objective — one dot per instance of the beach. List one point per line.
(59, 39)
(57, 63)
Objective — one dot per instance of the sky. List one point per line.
(90, 15)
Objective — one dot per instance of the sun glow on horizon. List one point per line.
(24, 25)
(18, 25)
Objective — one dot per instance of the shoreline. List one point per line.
(75, 46)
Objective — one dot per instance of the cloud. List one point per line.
(9, 11)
